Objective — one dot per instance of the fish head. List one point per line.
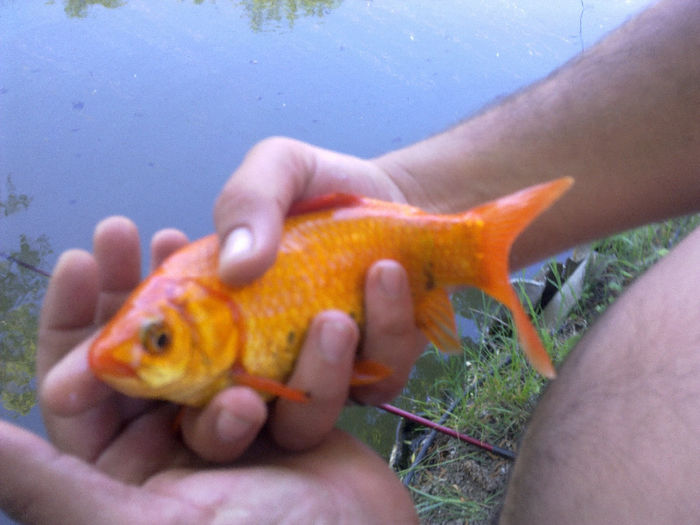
(176, 340)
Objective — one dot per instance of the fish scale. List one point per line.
(342, 246)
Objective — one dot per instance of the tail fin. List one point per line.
(504, 219)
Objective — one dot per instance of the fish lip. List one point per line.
(103, 363)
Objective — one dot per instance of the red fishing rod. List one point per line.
(503, 452)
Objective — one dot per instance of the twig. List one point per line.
(25, 265)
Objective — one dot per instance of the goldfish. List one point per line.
(183, 335)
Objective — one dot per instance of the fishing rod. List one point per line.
(429, 439)
(410, 416)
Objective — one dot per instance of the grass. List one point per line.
(496, 390)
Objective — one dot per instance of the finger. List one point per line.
(118, 255)
(391, 335)
(145, 446)
(82, 414)
(42, 486)
(224, 429)
(72, 400)
(74, 282)
(253, 203)
(69, 388)
(164, 243)
(323, 370)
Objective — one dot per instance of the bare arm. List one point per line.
(623, 119)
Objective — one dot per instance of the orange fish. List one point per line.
(183, 335)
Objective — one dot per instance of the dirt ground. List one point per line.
(474, 478)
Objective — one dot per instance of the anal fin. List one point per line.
(368, 372)
(436, 319)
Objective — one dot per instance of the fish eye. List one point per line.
(155, 336)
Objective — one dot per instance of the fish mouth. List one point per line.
(104, 363)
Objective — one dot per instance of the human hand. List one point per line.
(147, 476)
(111, 449)
(249, 215)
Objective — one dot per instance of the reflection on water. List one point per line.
(260, 12)
(263, 12)
(79, 8)
(21, 291)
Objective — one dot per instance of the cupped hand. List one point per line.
(117, 459)
(157, 480)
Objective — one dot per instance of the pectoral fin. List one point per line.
(268, 386)
(436, 319)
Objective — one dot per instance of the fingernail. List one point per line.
(335, 339)
(239, 242)
(231, 428)
(390, 281)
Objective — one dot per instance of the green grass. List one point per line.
(497, 389)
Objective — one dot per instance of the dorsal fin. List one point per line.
(324, 202)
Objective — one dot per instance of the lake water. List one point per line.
(145, 108)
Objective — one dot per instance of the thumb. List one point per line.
(42, 485)
(251, 208)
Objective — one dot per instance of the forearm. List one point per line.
(623, 120)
